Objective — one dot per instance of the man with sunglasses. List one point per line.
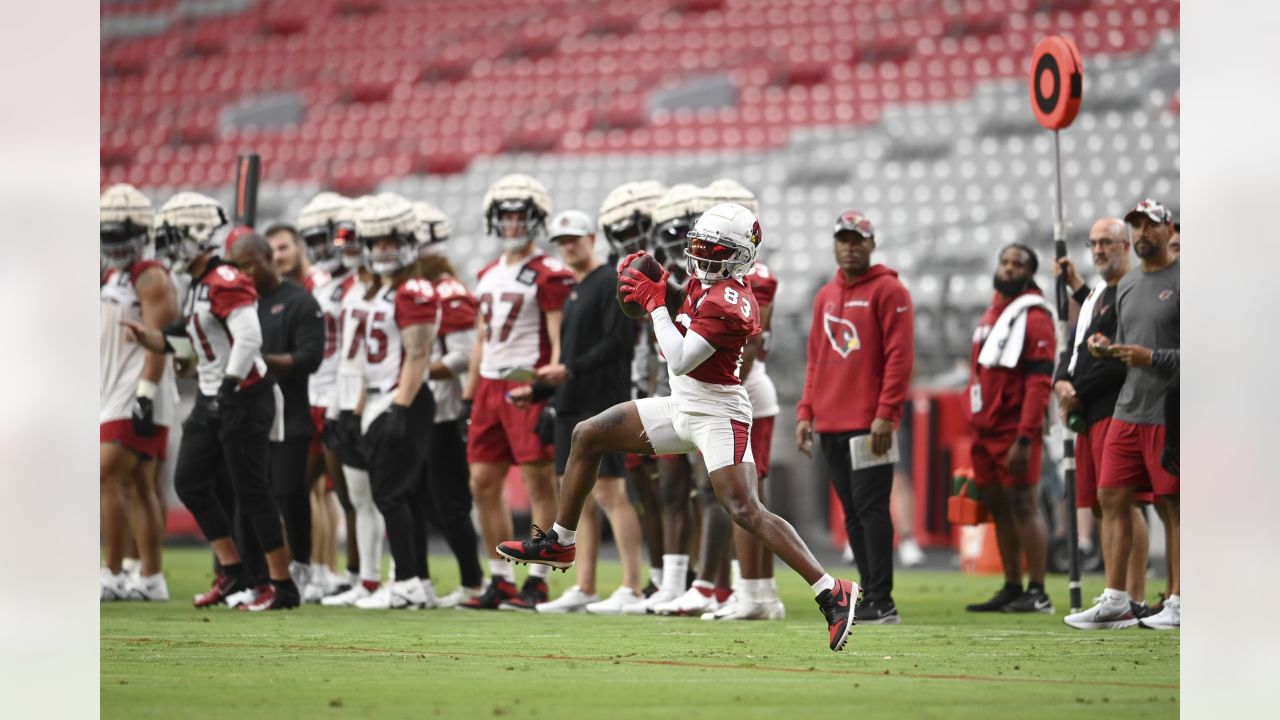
(860, 354)
(708, 409)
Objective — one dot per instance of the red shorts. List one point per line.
(1089, 451)
(1132, 459)
(988, 462)
(761, 442)
(121, 431)
(501, 432)
(317, 422)
(635, 462)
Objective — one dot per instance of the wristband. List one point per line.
(147, 389)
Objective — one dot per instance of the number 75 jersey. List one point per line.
(378, 322)
(724, 314)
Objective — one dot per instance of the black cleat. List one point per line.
(877, 612)
(838, 606)
(1031, 601)
(997, 602)
(498, 592)
(533, 592)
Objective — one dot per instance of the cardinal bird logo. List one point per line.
(842, 334)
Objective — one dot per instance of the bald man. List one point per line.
(1087, 389)
(293, 339)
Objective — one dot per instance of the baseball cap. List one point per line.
(570, 222)
(1153, 209)
(855, 221)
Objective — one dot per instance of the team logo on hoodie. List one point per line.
(841, 333)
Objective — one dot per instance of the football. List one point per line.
(652, 270)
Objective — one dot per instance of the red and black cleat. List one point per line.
(284, 597)
(223, 585)
(499, 592)
(542, 549)
(533, 591)
(838, 605)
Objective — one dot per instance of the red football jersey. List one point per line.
(212, 297)
(726, 315)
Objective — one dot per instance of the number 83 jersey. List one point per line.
(724, 314)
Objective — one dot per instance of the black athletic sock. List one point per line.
(1035, 587)
(233, 570)
(1013, 587)
(285, 585)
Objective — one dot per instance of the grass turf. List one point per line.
(172, 661)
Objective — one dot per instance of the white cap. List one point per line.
(570, 222)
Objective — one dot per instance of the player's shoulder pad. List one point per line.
(416, 290)
(137, 269)
(447, 287)
(484, 270)
(548, 268)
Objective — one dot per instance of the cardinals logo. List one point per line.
(841, 333)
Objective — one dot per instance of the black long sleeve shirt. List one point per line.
(596, 345)
(292, 323)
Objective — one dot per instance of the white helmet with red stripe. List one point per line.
(723, 243)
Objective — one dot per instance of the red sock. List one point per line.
(722, 594)
(370, 585)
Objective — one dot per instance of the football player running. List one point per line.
(521, 295)
(235, 409)
(137, 395)
(708, 410)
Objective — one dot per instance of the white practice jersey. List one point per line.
(379, 320)
(329, 293)
(120, 359)
(513, 300)
(207, 310)
(349, 384)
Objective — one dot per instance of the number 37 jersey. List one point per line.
(725, 314)
(513, 299)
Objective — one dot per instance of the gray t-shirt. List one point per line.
(1147, 304)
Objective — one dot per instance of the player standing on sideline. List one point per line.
(446, 484)
(293, 339)
(1147, 340)
(521, 295)
(674, 215)
(136, 395)
(597, 342)
(397, 319)
(626, 220)
(1087, 387)
(229, 426)
(861, 350)
(1011, 373)
(708, 409)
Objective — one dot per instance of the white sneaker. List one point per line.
(728, 606)
(429, 599)
(380, 599)
(112, 586)
(1103, 616)
(301, 574)
(775, 610)
(131, 567)
(152, 588)
(692, 602)
(244, 597)
(573, 600)
(645, 607)
(349, 597)
(910, 554)
(314, 593)
(407, 595)
(1169, 617)
(460, 594)
(617, 603)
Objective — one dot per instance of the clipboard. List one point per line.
(862, 457)
(519, 374)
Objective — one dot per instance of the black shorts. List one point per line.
(611, 464)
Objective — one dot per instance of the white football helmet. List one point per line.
(726, 190)
(517, 193)
(320, 222)
(388, 216)
(673, 216)
(723, 243)
(626, 215)
(124, 226)
(347, 243)
(186, 227)
(433, 230)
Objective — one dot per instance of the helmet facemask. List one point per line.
(319, 242)
(121, 243)
(669, 240)
(712, 257)
(629, 234)
(386, 261)
(515, 232)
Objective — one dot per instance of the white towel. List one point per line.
(1003, 346)
(1084, 320)
(277, 423)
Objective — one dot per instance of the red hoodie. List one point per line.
(1014, 400)
(861, 349)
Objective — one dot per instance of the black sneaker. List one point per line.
(1140, 610)
(877, 612)
(649, 589)
(1031, 601)
(838, 606)
(533, 592)
(498, 592)
(1003, 596)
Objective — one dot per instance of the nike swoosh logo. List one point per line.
(902, 309)
(843, 600)
(547, 554)
(1040, 605)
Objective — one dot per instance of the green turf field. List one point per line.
(171, 661)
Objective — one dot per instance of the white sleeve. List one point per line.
(246, 345)
(457, 351)
(350, 382)
(683, 353)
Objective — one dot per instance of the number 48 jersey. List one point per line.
(724, 314)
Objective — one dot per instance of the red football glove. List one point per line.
(622, 266)
(650, 294)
